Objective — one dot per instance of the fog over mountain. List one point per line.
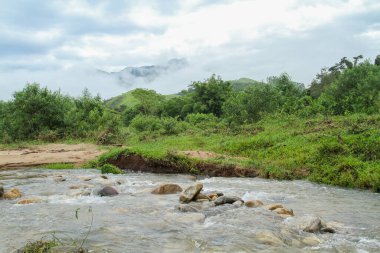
(146, 74)
(61, 44)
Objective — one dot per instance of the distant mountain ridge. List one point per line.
(130, 75)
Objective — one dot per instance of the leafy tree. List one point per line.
(149, 101)
(251, 104)
(322, 81)
(289, 92)
(209, 96)
(377, 60)
(36, 109)
(356, 90)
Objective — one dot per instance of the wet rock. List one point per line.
(315, 225)
(107, 191)
(13, 193)
(238, 203)
(1, 191)
(190, 193)
(59, 178)
(269, 238)
(104, 176)
(273, 207)
(202, 197)
(188, 208)
(167, 189)
(226, 200)
(29, 201)
(195, 206)
(327, 230)
(284, 211)
(253, 203)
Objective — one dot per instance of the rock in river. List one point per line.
(190, 193)
(226, 200)
(167, 189)
(29, 201)
(107, 191)
(253, 203)
(13, 193)
(1, 191)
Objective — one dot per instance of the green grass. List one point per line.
(340, 150)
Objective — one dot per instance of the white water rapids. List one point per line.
(138, 221)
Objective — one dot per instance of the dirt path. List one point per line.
(46, 154)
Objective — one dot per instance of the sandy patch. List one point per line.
(46, 154)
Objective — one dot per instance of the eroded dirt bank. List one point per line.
(77, 154)
(136, 162)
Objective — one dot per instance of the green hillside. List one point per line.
(128, 99)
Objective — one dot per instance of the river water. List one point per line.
(138, 221)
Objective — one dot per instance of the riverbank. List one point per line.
(47, 154)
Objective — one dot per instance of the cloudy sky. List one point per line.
(61, 43)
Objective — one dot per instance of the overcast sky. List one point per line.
(60, 43)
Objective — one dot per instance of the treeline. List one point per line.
(36, 113)
(346, 88)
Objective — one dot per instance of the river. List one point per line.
(138, 221)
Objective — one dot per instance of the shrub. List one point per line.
(110, 169)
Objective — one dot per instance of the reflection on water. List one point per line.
(137, 221)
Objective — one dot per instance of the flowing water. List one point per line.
(138, 221)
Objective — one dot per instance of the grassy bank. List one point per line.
(341, 150)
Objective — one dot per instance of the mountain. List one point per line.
(131, 75)
(127, 99)
(242, 83)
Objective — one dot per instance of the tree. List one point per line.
(356, 90)
(251, 104)
(377, 60)
(36, 109)
(149, 101)
(209, 96)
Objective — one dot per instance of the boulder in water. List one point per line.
(226, 200)
(107, 191)
(202, 197)
(284, 211)
(13, 193)
(167, 189)
(29, 201)
(269, 238)
(273, 207)
(314, 226)
(190, 193)
(253, 203)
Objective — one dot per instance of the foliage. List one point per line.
(209, 96)
(110, 169)
(37, 113)
(356, 90)
(39, 246)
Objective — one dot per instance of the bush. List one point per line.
(110, 169)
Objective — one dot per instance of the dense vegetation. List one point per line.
(329, 132)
